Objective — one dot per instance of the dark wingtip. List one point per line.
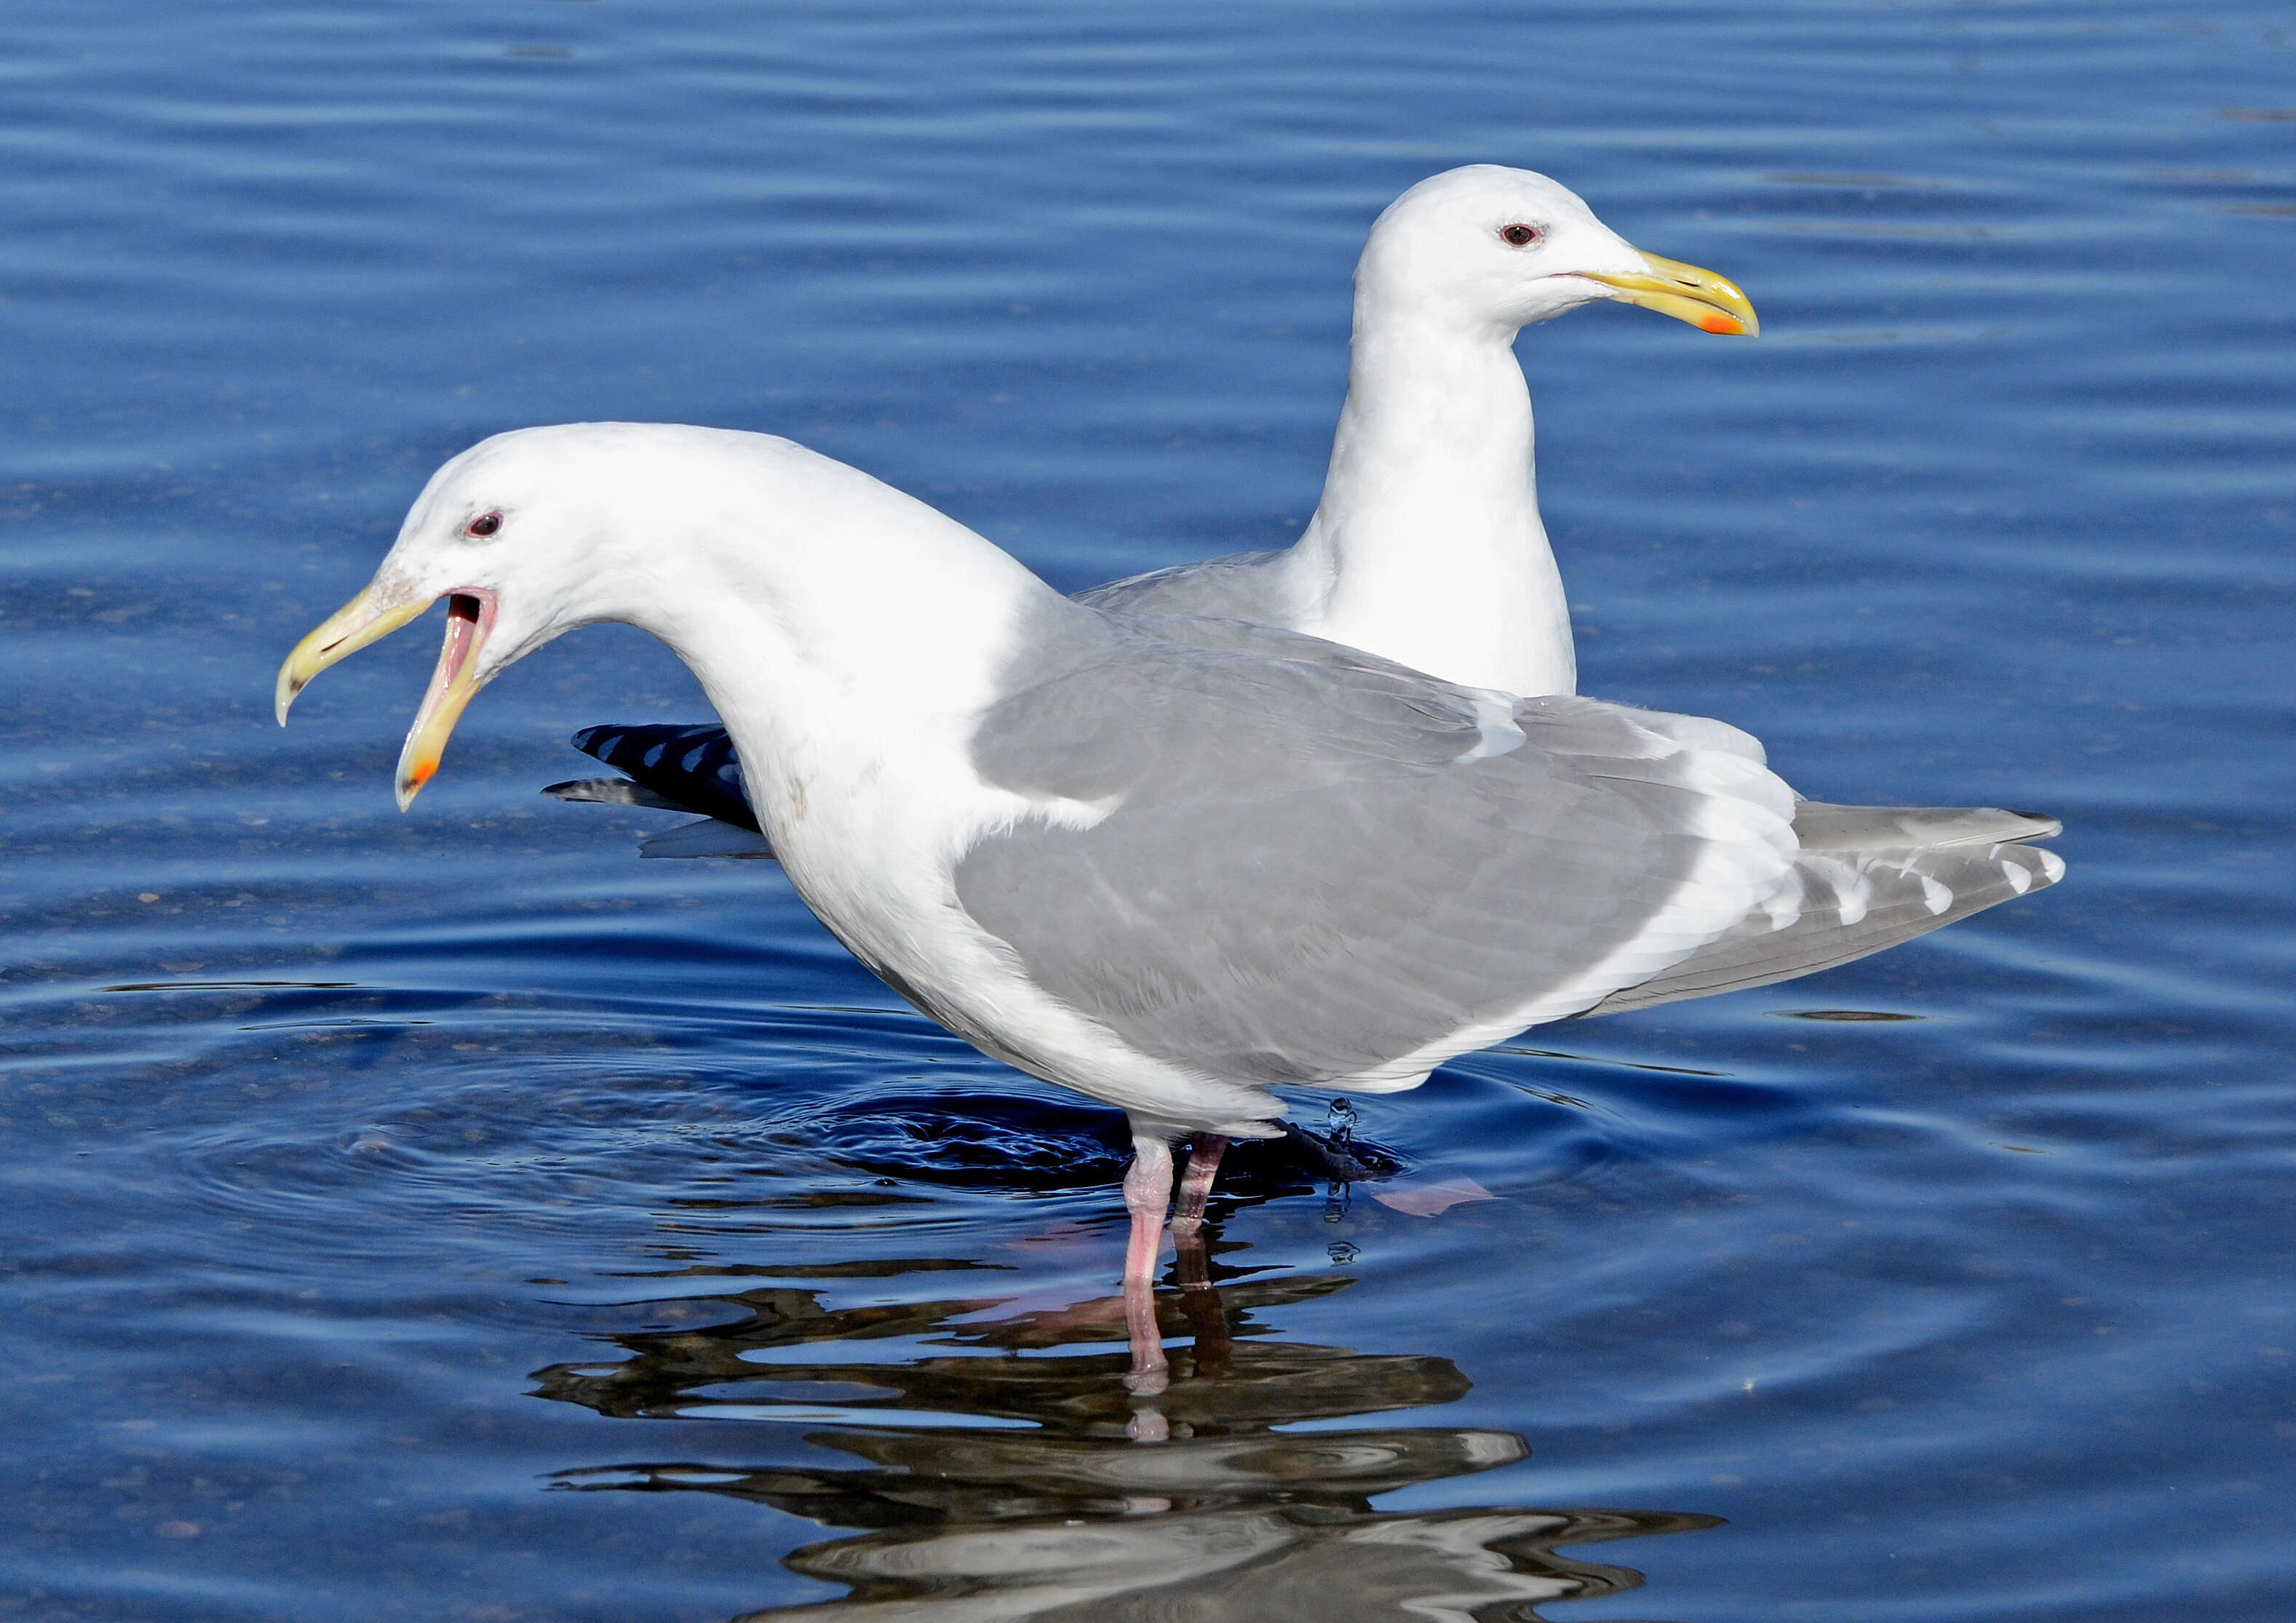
(691, 765)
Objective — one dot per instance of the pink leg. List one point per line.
(1204, 1153)
(1147, 1195)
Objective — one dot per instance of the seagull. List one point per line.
(1174, 863)
(1427, 547)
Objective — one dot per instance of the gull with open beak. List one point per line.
(1173, 864)
(1427, 547)
(389, 602)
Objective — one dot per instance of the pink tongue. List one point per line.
(461, 633)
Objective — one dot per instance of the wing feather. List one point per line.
(1305, 872)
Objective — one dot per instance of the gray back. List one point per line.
(1317, 862)
(1241, 587)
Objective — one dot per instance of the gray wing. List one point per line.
(1868, 878)
(1318, 867)
(1820, 827)
(1241, 587)
(1843, 904)
(703, 774)
(706, 836)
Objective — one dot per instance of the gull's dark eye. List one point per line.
(1521, 236)
(485, 524)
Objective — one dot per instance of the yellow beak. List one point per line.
(346, 631)
(470, 616)
(1708, 302)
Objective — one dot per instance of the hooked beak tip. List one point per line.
(350, 628)
(411, 782)
(1709, 302)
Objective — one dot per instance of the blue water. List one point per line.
(452, 1217)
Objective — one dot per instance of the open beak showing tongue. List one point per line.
(470, 617)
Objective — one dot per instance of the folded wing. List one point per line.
(1843, 904)
(1404, 870)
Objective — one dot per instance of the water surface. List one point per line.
(452, 1217)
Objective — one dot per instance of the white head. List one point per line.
(1487, 247)
(535, 532)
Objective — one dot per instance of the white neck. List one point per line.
(847, 634)
(1427, 547)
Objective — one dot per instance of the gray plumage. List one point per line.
(1848, 904)
(1314, 864)
(1241, 587)
(706, 836)
(1867, 878)
(1820, 827)
(1245, 586)
(1173, 976)
(1136, 921)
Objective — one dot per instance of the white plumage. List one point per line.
(1168, 862)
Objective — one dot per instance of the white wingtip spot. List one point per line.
(1783, 908)
(2019, 881)
(1935, 897)
(1853, 891)
(2053, 866)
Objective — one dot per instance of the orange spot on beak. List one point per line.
(1719, 323)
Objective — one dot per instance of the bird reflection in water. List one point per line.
(1001, 1481)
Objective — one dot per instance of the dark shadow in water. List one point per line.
(1853, 1016)
(1010, 1483)
(957, 1138)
